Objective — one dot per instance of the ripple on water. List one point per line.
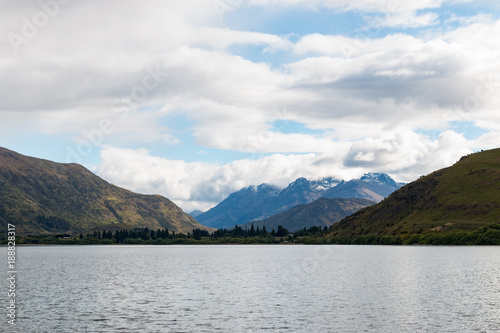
(257, 288)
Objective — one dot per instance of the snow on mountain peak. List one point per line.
(374, 177)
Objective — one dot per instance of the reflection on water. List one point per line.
(256, 288)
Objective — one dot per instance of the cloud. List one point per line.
(444, 76)
(408, 20)
(362, 98)
(201, 185)
(388, 13)
(351, 87)
(71, 81)
(362, 5)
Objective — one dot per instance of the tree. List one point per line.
(251, 233)
(314, 230)
(238, 231)
(145, 234)
(197, 234)
(117, 237)
(281, 231)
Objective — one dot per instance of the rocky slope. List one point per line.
(40, 196)
(464, 196)
(259, 202)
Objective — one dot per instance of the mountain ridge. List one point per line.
(322, 212)
(251, 204)
(463, 196)
(41, 196)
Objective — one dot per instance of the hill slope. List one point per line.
(41, 196)
(464, 196)
(320, 213)
(259, 202)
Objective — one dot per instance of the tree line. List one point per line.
(119, 236)
(164, 236)
(487, 235)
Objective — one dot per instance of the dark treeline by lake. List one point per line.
(487, 235)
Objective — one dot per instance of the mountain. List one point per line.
(242, 206)
(372, 186)
(320, 213)
(195, 213)
(40, 196)
(303, 191)
(464, 196)
(256, 203)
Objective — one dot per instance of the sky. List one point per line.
(196, 99)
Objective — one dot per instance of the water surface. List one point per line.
(256, 288)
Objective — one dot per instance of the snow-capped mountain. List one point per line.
(244, 205)
(371, 186)
(303, 191)
(258, 202)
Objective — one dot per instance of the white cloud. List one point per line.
(356, 87)
(201, 185)
(445, 76)
(394, 13)
(92, 62)
(408, 20)
(366, 95)
(362, 5)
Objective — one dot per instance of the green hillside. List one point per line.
(464, 196)
(40, 196)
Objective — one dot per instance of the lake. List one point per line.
(255, 288)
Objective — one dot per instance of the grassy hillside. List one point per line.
(320, 213)
(464, 196)
(41, 196)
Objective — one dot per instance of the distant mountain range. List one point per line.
(195, 213)
(464, 196)
(248, 204)
(320, 213)
(372, 186)
(40, 196)
(255, 203)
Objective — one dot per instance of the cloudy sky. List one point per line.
(195, 99)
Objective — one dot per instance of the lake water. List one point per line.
(255, 288)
